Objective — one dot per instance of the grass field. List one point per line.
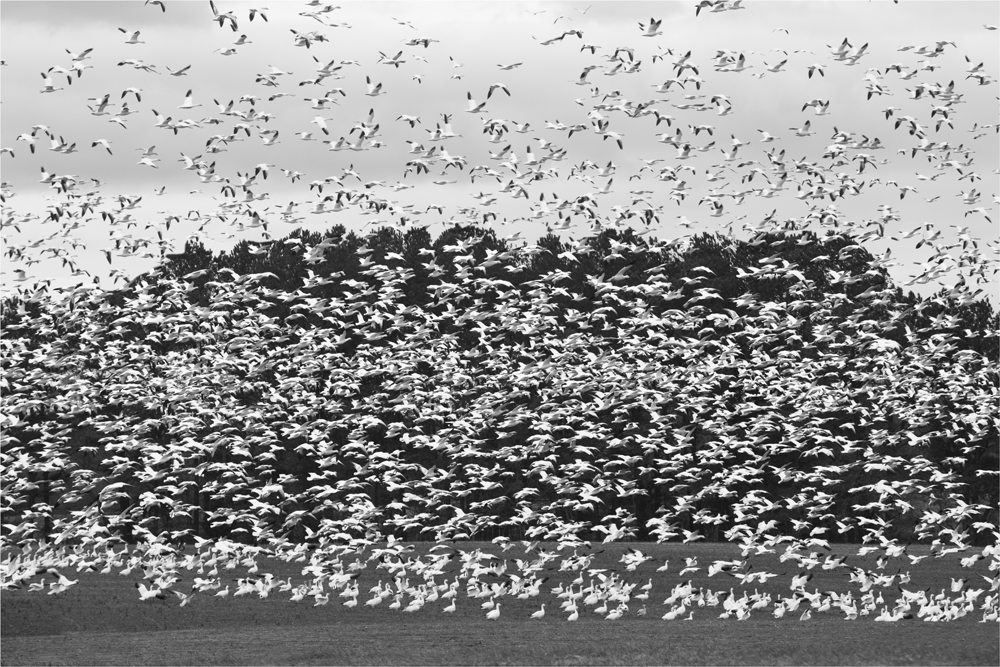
(100, 620)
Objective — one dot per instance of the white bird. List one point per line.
(652, 29)
(134, 91)
(47, 86)
(540, 613)
(395, 61)
(374, 89)
(102, 142)
(320, 122)
(474, 107)
(76, 57)
(691, 536)
(802, 131)
(221, 18)
(495, 86)
(188, 101)
(739, 66)
(29, 139)
(134, 39)
(99, 110)
(494, 613)
(184, 598)
(817, 69)
(816, 103)
(149, 593)
(582, 81)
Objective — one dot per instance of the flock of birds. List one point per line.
(485, 580)
(547, 427)
(194, 410)
(680, 125)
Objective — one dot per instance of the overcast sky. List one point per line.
(472, 39)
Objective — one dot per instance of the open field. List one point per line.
(477, 641)
(100, 620)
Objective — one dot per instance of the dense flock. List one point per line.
(449, 394)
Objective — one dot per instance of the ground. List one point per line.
(102, 621)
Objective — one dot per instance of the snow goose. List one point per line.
(652, 29)
(133, 38)
(188, 101)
